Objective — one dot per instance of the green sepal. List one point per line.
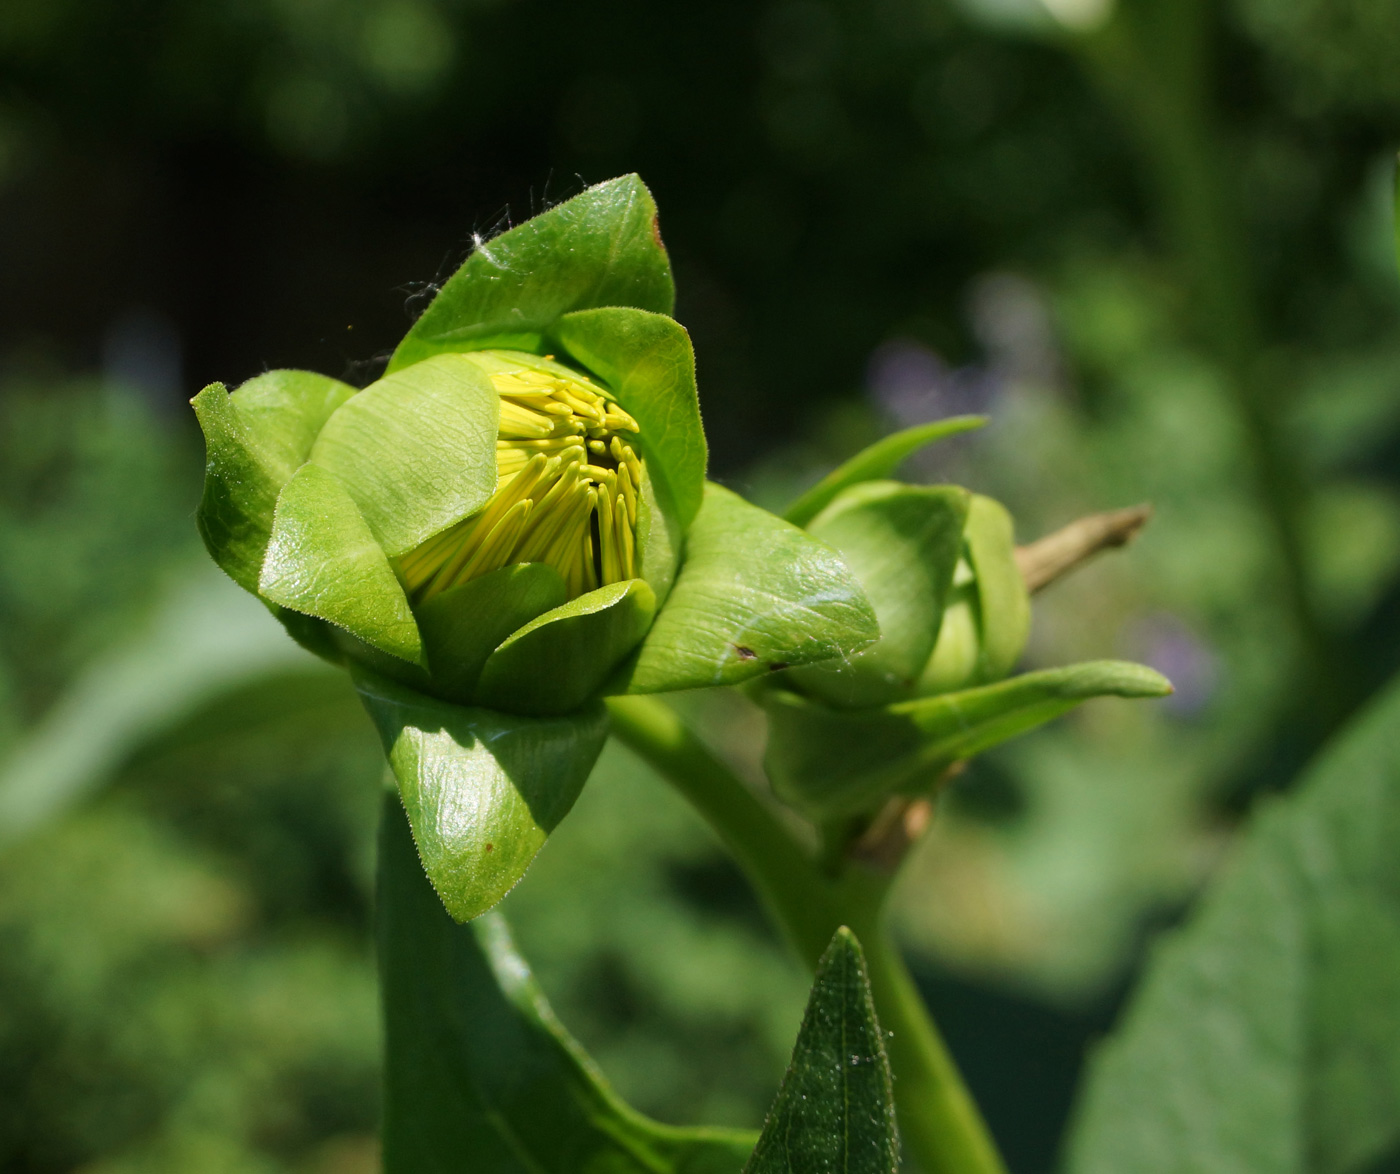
(417, 450)
(835, 1109)
(315, 635)
(482, 789)
(659, 536)
(755, 595)
(479, 1074)
(255, 439)
(557, 662)
(875, 463)
(323, 561)
(902, 543)
(601, 248)
(647, 361)
(1004, 604)
(830, 762)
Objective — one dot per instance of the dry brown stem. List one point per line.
(1047, 559)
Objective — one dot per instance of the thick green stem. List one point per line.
(943, 1131)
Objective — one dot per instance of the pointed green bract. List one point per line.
(323, 561)
(482, 789)
(417, 450)
(902, 543)
(256, 439)
(835, 1109)
(754, 595)
(556, 662)
(647, 361)
(601, 248)
(829, 762)
(479, 1074)
(1004, 605)
(875, 463)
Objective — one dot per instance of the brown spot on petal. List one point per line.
(489, 847)
(745, 653)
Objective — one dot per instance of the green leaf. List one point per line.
(417, 450)
(902, 542)
(647, 361)
(1265, 1036)
(1004, 605)
(754, 595)
(464, 625)
(831, 762)
(482, 789)
(323, 561)
(479, 1074)
(558, 661)
(256, 439)
(835, 1109)
(602, 248)
(875, 463)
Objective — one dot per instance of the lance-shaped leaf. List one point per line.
(648, 362)
(902, 542)
(323, 561)
(832, 762)
(754, 595)
(835, 1109)
(482, 789)
(256, 439)
(479, 1074)
(558, 661)
(875, 463)
(417, 450)
(601, 248)
(1266, 1034)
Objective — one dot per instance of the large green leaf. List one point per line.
(479, 1075)
(754, 595)
(647, 360)
(835, 1109)
(323, 561)
(902, 542)
(602, 248)
(557, 662)
(1266, 1034)
(482, 789)
(876, 462)
(256, 439)
(831, 762)
(417, 450)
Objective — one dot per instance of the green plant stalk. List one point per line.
(942, 1129)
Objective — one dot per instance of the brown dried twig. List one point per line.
(1047, 559)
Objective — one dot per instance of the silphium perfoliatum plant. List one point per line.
(513, 522)
(938, 565)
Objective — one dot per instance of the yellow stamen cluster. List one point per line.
(567, 486)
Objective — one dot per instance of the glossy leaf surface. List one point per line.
(255, 440)
(482, 789)
(1266, 1034)
(831, 762)
(835, 1109)
(416, 450)
(601, 248)
(479, 1074)
(754, 595)
(558, 661)
(876, 462)
(647, 361)
(902, 542)
(323, 561)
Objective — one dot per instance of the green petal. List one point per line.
(558, 661)
(417, 450)
(878, 461)
(754, 595)
(902, 542)
(647, 361)
(1004, 605)
(323, 561)
(256, 439)
(602, 248)
(482, 789)
(830, 762)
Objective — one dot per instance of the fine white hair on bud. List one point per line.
(568, 479)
